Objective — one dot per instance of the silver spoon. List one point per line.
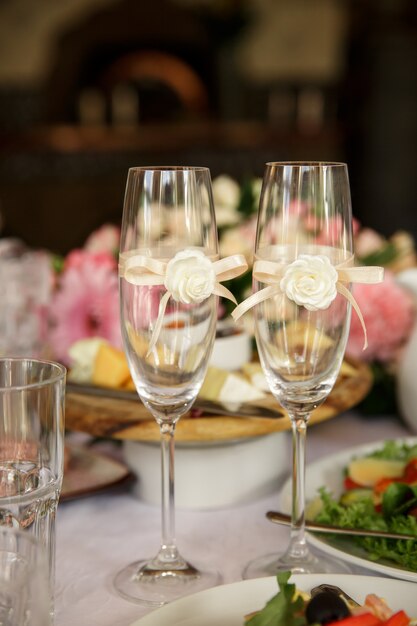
(282, 518)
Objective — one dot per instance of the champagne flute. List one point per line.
(304, 235)
(168, 327)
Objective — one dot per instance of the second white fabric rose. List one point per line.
(310, 281)
(190, 277)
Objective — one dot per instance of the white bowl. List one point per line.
(232, 347)
(232, 351)
(215, 474)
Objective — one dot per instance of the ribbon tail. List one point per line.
(346, 293)
(221, 290)
(255, 298)
(159, 322)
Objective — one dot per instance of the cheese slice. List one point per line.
(228, 387)
(110, 367)
(83, 355)
(301, 333)
(256, 376)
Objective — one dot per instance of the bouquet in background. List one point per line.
(85, 301)
(389, 311)
(236, 215)
(388, 308)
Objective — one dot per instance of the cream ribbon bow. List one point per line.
(271, 273)
(142, 270)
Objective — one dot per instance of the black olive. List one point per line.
(326, 607)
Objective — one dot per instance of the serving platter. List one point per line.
(125, 417)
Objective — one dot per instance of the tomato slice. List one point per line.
(382, 485)
(364, 619)
(400, 618)
(351, 484)
(410, 471)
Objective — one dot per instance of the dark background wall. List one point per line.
(89, 88)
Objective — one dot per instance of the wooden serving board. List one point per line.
(103, 416)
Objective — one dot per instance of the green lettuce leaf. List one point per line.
(394, 450)
(362, 514)
(282, 609)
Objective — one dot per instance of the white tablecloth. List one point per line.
(98, 535)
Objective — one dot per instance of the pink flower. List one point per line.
(104, 239)
(298, 207)
(86, 303)
(78, 258)
(367, 242)
(332, 229)
(311, 222)
(388, 311)
(355, 226)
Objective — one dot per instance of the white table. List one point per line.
(98, 535)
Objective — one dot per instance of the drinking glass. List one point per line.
(32, 448)
(24, 583)
(304, 235)
(168, 336)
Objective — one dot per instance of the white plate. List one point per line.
(328, 472)
(228, 604)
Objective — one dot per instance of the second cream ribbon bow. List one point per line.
(206, 276)
(271, 273)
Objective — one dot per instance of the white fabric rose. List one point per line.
(190, 277)
(310, 281)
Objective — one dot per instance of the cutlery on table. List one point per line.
(207, 406)
(282, 518)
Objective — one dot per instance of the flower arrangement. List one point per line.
(236, 211)
(388, 309)
(85, 301)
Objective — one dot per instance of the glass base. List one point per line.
(271, 564)
(140, 583)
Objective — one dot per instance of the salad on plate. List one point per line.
(379, 493)
(326, 607)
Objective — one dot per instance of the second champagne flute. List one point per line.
(302, 311)
(168, 315)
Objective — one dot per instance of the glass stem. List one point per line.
(168, 551)
(298, 546)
